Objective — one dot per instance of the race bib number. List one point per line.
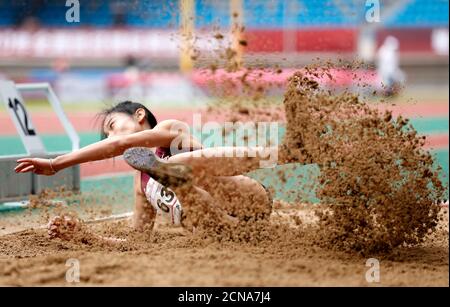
(164, 200)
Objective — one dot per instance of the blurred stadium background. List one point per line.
(37, 43)
(135, 50)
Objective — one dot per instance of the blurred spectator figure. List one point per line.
(60, 65)
(389, 70)
(439, 41)
(130, 62)
(26, 13)
(133, 77)
(119, 12)
(30, 24)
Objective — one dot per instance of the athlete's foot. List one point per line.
(168, 174)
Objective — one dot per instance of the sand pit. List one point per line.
(382, 196)
(378, 192)
(173, 257)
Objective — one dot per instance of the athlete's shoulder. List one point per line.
(169, 124)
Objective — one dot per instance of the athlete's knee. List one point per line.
(180, 158)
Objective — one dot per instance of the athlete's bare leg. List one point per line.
(227, 161)
(237, 195)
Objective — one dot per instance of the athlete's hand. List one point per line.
(36, 165)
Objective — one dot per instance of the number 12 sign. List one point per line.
(19, 115)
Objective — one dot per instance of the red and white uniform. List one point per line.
(160, 197)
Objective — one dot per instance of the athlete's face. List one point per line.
(123, 124)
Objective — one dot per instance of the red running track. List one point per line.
(86, 121)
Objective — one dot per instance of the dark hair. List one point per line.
(127, 107)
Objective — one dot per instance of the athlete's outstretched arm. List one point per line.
(107, 148)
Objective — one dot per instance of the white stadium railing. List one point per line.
(17, 187)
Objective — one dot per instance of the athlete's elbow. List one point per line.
(120, 145)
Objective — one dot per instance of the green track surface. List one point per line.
(12, 145)
(431, 125)
(302, 182)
